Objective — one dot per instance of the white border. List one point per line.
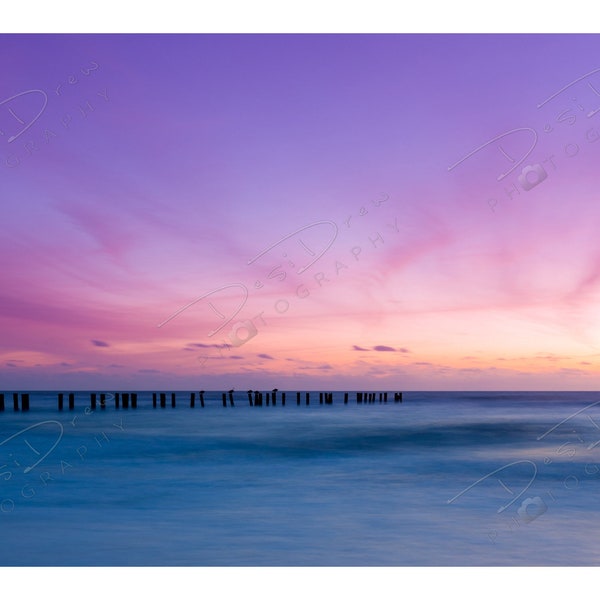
(284, 16)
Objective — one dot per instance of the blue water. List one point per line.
(370, 484)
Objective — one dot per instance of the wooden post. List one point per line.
(268, 398)
(201, 398)
(320, 397)
(163, 400)
(282, 398)
(358, 398)
(15, 402)
(231, 398)
(71, 401)
(345, 397)
(93, 401)
(224, 397)
(385, 396)
(134, 400)
(192, 399)
(1, 402)
(125, 400)
(275, 396)
(298, 398)
(25, 402)
(307, 398)
(103, 401)
(260, 398)
(173, 401)
(153, 399)
(60, 401)
(250, 398)
(117, 399)
(398, 397)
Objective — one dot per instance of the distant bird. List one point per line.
(230, 392)
(275, 390)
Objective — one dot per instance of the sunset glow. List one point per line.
(327, 208)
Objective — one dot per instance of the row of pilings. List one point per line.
(125, 400)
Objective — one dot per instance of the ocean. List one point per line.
(441, 479)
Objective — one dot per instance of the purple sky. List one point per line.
(317, 196)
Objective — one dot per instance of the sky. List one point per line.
(319, 212)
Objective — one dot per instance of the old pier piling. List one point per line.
(125, 400)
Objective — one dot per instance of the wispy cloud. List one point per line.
(100, 343)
